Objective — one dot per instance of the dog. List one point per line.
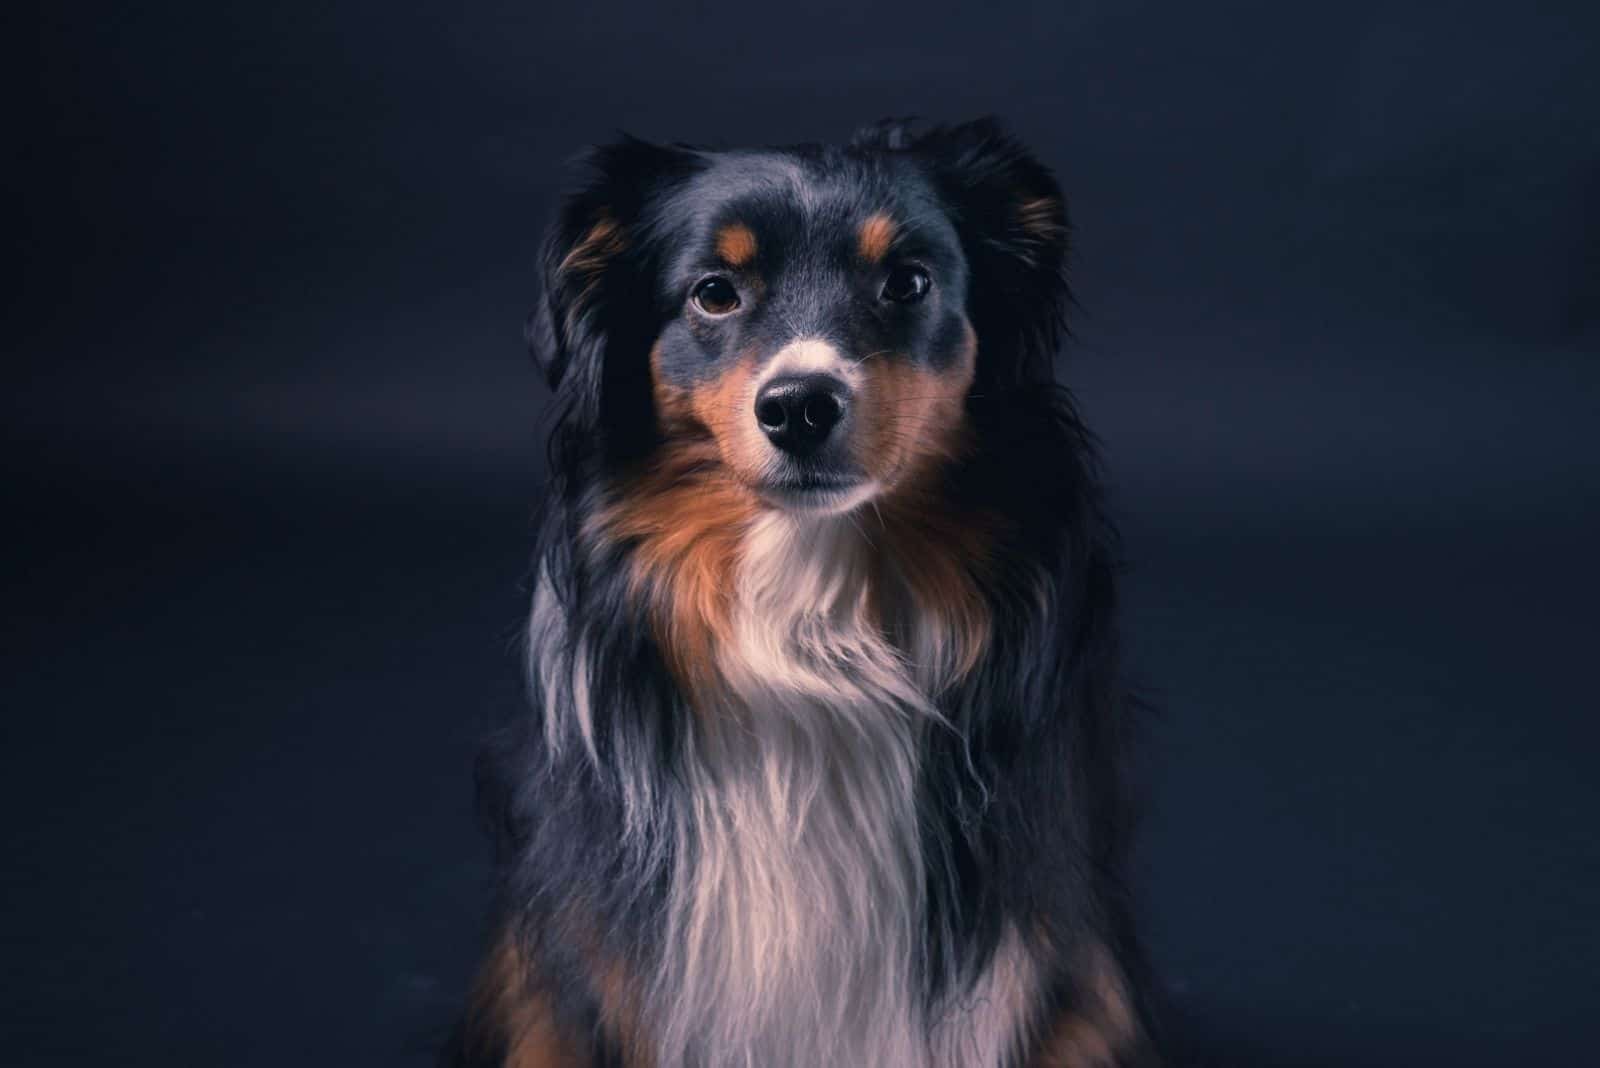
(827, 757)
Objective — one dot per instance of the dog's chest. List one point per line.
(797, 906)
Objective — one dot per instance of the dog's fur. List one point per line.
(819, 776)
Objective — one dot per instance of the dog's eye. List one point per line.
(715, 296)
(906, 285)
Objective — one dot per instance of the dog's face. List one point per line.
(819, 314)
(820, 331)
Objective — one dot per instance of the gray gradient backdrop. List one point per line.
(271, 451)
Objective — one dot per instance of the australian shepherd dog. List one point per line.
(825, 764)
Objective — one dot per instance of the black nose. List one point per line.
(799, 411)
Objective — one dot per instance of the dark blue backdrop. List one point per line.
(271, 452)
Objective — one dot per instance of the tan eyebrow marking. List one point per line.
(736, 244)
(875, 237)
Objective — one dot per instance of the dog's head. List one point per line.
(818, 317)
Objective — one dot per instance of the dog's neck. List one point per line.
(819, 648)
(797, 910)
(796, 897)
(819, 616)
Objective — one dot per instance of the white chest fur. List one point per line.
(797, 891)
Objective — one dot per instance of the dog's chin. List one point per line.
(818, 496)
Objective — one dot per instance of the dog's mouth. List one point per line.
(818, 492)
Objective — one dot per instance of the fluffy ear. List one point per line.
(597, 285)
(1012, 219)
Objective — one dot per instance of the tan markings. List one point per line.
(507, 1013)
(736, 244)
(912, 422)
(585, 263)
(726, 407)
(686, 527)
(942, 558)
(622, 1012)
(1099, 1030)
(719, 412)
(614, 985)
(875, 237)
(590, 255)
(912, 418)
(685, 514)
(1042, 218)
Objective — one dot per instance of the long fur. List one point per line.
(874, 810)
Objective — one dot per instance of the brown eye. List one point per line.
(715, 296)
(906, 285)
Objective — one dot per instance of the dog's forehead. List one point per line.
(800, 197)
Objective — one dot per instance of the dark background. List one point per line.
(272, 448)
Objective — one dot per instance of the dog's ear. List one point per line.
(1012, 219)
(597, 285)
